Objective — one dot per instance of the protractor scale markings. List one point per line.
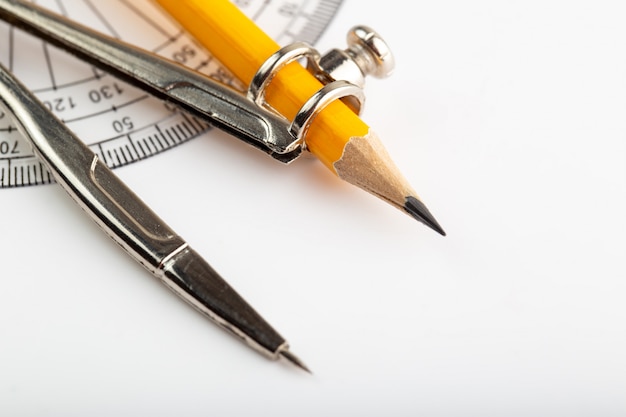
(121, 123)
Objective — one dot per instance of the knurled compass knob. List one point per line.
(367, 54)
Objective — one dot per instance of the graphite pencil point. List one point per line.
(418, 210)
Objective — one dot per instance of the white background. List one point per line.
(509, 120)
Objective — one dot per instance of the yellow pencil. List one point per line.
(337, 136)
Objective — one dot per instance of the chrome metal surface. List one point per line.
(130, 222)
(351, 94)
(367, 54)
(284, 56)
(330, 92)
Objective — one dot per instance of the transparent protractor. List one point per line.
(121, 123)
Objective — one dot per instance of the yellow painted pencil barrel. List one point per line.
(221, 27)
(337, 136)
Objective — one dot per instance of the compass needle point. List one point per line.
(85, 172)
(293, 359)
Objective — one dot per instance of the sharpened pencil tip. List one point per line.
(418, 211)
(366, 164)
(294, 360)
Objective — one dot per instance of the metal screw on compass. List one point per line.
(367, 54)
